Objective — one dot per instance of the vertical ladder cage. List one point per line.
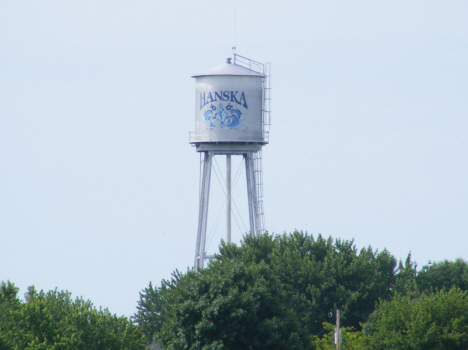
(266, 111)
(265, 69)
(258, 173)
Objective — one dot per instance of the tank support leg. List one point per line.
(251, 192)
(203, 212)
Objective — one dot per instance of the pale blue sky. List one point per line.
(99, 186)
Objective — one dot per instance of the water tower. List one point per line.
(232, 117)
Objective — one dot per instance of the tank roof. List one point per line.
(229, 69)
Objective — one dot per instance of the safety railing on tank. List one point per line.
(191, 136)
(248, 63)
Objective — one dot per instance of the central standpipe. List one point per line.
(228, 198)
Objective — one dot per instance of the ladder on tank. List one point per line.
(265, 69)
(258, 171)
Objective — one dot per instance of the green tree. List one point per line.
(406, 275)
(351, 339)
(55, 321)
(445, 274)
(149, 315)
(270, 292)
(434, 321)
(10, 309)
(229, 306)
(320, 275)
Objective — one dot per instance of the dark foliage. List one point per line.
(55, 321)
(149, 315)
(445, 274)
(320, 275)
(272, 291)
(433, 321)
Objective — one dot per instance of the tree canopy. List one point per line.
(270, 292)
(320, 275)
(445, 274)
(55, 321)
(433, 321)
(281, 292)
(230, 306)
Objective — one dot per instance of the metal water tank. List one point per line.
(228, 105)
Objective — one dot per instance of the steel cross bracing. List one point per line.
(255, 203)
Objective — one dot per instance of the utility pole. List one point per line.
(337, 330)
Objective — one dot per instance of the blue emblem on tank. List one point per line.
(220, 116)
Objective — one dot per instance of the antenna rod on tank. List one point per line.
(235, 36)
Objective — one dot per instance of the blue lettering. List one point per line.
(242, 98)
(233, 97)
(213, 96)
(202, 100)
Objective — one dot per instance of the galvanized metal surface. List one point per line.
(228, 148)
(232, 117)
(228, 108)
(200, 251)
(251, 192)
(229, 69)
(255, 213)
